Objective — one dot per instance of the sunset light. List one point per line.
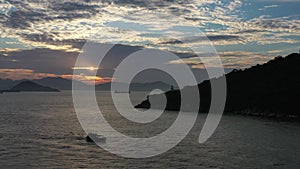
(162, 84)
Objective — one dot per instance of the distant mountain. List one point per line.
(271, 89)
(66, 84)
(29, 86)
(53, 82)
(6, 84)
(120, 87)
(58, 83)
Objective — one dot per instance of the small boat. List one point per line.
(95, 138)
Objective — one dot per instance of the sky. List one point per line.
(42, 38)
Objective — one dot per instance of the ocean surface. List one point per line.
(41, 130)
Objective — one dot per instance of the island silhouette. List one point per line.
(29, 86)
(271, 89)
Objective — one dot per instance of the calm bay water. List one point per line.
(41, 130)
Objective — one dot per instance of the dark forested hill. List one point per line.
(271, 89)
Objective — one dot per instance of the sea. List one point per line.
(41, 130)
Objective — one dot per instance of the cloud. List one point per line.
(57, 24)
(268, 6)
(86, 68)
(230, 60)
(91, 80)
(19, 74)
(87, 18)
(275, 0)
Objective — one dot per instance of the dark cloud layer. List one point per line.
(57, 62)
(50, 39)
(213, 38)
(40, 60)
(61, 62)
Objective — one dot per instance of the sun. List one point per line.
(91, 68)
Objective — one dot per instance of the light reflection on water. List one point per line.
(40, 130)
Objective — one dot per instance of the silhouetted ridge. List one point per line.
(271, 89)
